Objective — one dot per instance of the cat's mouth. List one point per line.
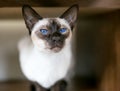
(56, 48)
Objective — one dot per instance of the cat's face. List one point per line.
(50, 34)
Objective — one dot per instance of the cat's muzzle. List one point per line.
(56, 47)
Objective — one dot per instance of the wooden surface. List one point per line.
(14, 86)
(117, 43)
(111, 77)
(25, 86)
(61, 3)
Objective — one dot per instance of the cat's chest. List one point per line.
(47, 69)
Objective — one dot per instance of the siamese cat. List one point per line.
(46, 56)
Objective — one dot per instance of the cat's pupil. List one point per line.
(44, 31)
(63, 30)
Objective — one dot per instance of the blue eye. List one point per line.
(62, 30)
(44, 31)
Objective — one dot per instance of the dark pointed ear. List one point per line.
(71, 15)
(30, 17)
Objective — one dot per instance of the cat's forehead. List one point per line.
(50, 22)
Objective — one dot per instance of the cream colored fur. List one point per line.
(42, 65)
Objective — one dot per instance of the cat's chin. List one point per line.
(55, 49)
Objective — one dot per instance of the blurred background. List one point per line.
(96, 43)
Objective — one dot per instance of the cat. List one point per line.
(46, 55)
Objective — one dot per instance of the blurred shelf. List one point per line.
(16, 12)
(24, 86)
(14, 86)
(61, 3)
